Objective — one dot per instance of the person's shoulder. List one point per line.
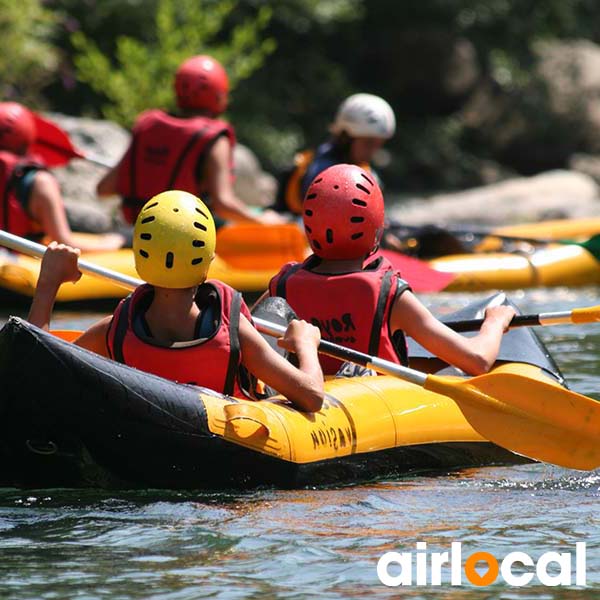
(152, 114)
(43, 179)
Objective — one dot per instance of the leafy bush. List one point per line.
(27, 58)
(140, 75)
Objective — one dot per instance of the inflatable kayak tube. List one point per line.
(69, 417)
(552, 266)
(19, 275)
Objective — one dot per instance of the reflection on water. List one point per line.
(304, 543)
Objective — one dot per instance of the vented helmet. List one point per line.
(174, 240)
(17, 127)
(201, 83)
(365, 115)
(343, 213)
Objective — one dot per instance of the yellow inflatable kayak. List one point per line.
(549, 266)
(85, 420)
(19, 275)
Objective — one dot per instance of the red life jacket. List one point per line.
(351, 309)
(13, 217)
(213, 363)
(164, 154)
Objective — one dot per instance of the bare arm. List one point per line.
(475, 355)
(46, 208)
(217, 180)
(107, 186)
(59, 266)
(303, 386)
(94, 338)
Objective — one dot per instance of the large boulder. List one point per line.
(252, 185)
(539, 126)
(552, 195)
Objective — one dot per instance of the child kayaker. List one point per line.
(361, 303)
(191, 150)
(178, 325)
(362, 125)
(32, 203)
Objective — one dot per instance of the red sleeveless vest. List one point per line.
(13, 217)
(163, 155)
(213, 363)
(351, 309)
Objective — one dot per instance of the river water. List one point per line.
(326, 543)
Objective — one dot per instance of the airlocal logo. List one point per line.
(563, 569)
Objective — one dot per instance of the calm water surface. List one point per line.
(310, 542)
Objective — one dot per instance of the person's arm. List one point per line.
(94, 338)
(217, 182)
(303, 386)
(46, 208)
(107, 186)
(59, 265)
(475, 355)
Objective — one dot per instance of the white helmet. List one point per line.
(364, 115)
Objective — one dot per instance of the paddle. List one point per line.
(539, 420)
(588, 314)
(54, 146)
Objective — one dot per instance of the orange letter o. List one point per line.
(473, 576)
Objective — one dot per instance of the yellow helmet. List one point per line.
(174, 240)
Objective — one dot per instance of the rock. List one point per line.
(252, 185)
(571, 72)
(551, 195)
(536, 127)
(105, 141)
(589, 164)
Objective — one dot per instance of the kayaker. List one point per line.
(32, 204)
(191, 150)
(363, 123)
(179, 325)
(358, 300)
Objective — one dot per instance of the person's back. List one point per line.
(349, 301)
(173, 150)
(191, 151)
(367, 304)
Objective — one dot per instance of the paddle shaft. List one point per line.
(354, 356)
(20, 244)
(588, 314)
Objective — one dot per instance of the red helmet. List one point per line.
(201, 84)
(17, 127)
(343, 213)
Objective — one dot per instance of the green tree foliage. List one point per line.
(141, 73)
(27, 58)
(327, 49)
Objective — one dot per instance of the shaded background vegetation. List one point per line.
(441, 64)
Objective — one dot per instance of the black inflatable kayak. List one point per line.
(71, 418)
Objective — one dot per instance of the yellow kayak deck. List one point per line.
(551, 266)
